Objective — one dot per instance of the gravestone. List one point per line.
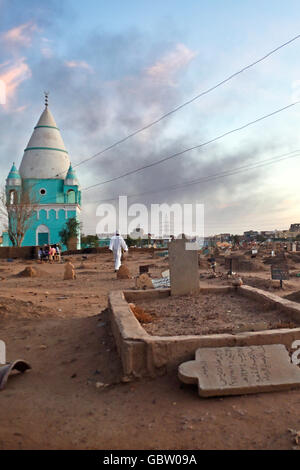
(69, 272)
(240, 370)
(279, 268)
(280, 273)
(232, 264)
(183, 263)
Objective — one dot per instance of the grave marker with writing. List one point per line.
(241, 370)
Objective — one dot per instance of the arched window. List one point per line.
(71, 196)
(13, 196)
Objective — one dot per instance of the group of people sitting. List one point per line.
(49, 253)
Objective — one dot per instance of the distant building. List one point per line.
(295, 228)
(251, 235)
(138, 233)
(267, 233)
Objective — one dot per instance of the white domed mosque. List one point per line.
(47, 174)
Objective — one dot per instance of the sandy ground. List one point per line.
(205, 314)
(61, 328)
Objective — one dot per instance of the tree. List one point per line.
(17, 211)
(261, 238)
(70, 230)
(130, 241)
(90, 241)
(235, 239)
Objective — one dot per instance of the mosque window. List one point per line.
(71, 196)
(13, 197)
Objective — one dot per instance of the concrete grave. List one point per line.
(184, 275)
(240, 370)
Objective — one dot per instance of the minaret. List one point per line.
(13, 185)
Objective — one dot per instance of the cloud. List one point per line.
(78, 64)
(46, 49)
(13, 74)
(165, 69)
(94, 112)
(20, 35)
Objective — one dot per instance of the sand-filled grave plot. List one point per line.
(212, 313)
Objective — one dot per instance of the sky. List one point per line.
(113, 67)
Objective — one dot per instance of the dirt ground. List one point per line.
(205, 314)
(61, 328)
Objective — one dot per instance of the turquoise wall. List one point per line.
(56, 192)
(54, 224)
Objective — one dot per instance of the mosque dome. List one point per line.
(45, 155)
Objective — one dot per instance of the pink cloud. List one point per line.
(12, 75)
(20, 35)
(79, 64)
(165, 69)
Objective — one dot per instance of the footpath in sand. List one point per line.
(61, 328)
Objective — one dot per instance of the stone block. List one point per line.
(183, 263)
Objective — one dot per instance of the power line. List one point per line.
(269, 161)
(169, 113)
(149, 165)
(231, 172)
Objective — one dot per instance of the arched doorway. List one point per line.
(42, 235)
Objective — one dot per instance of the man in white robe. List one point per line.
(117, 243)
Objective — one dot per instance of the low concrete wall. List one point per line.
(143, 354)
(86, 251)
(22, 252)
(105, 249)
(291, 308)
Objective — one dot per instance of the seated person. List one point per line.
(57, 248)
(40, 254)
(52, 252)
(46, 253)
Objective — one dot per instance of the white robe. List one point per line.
(116, 244)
